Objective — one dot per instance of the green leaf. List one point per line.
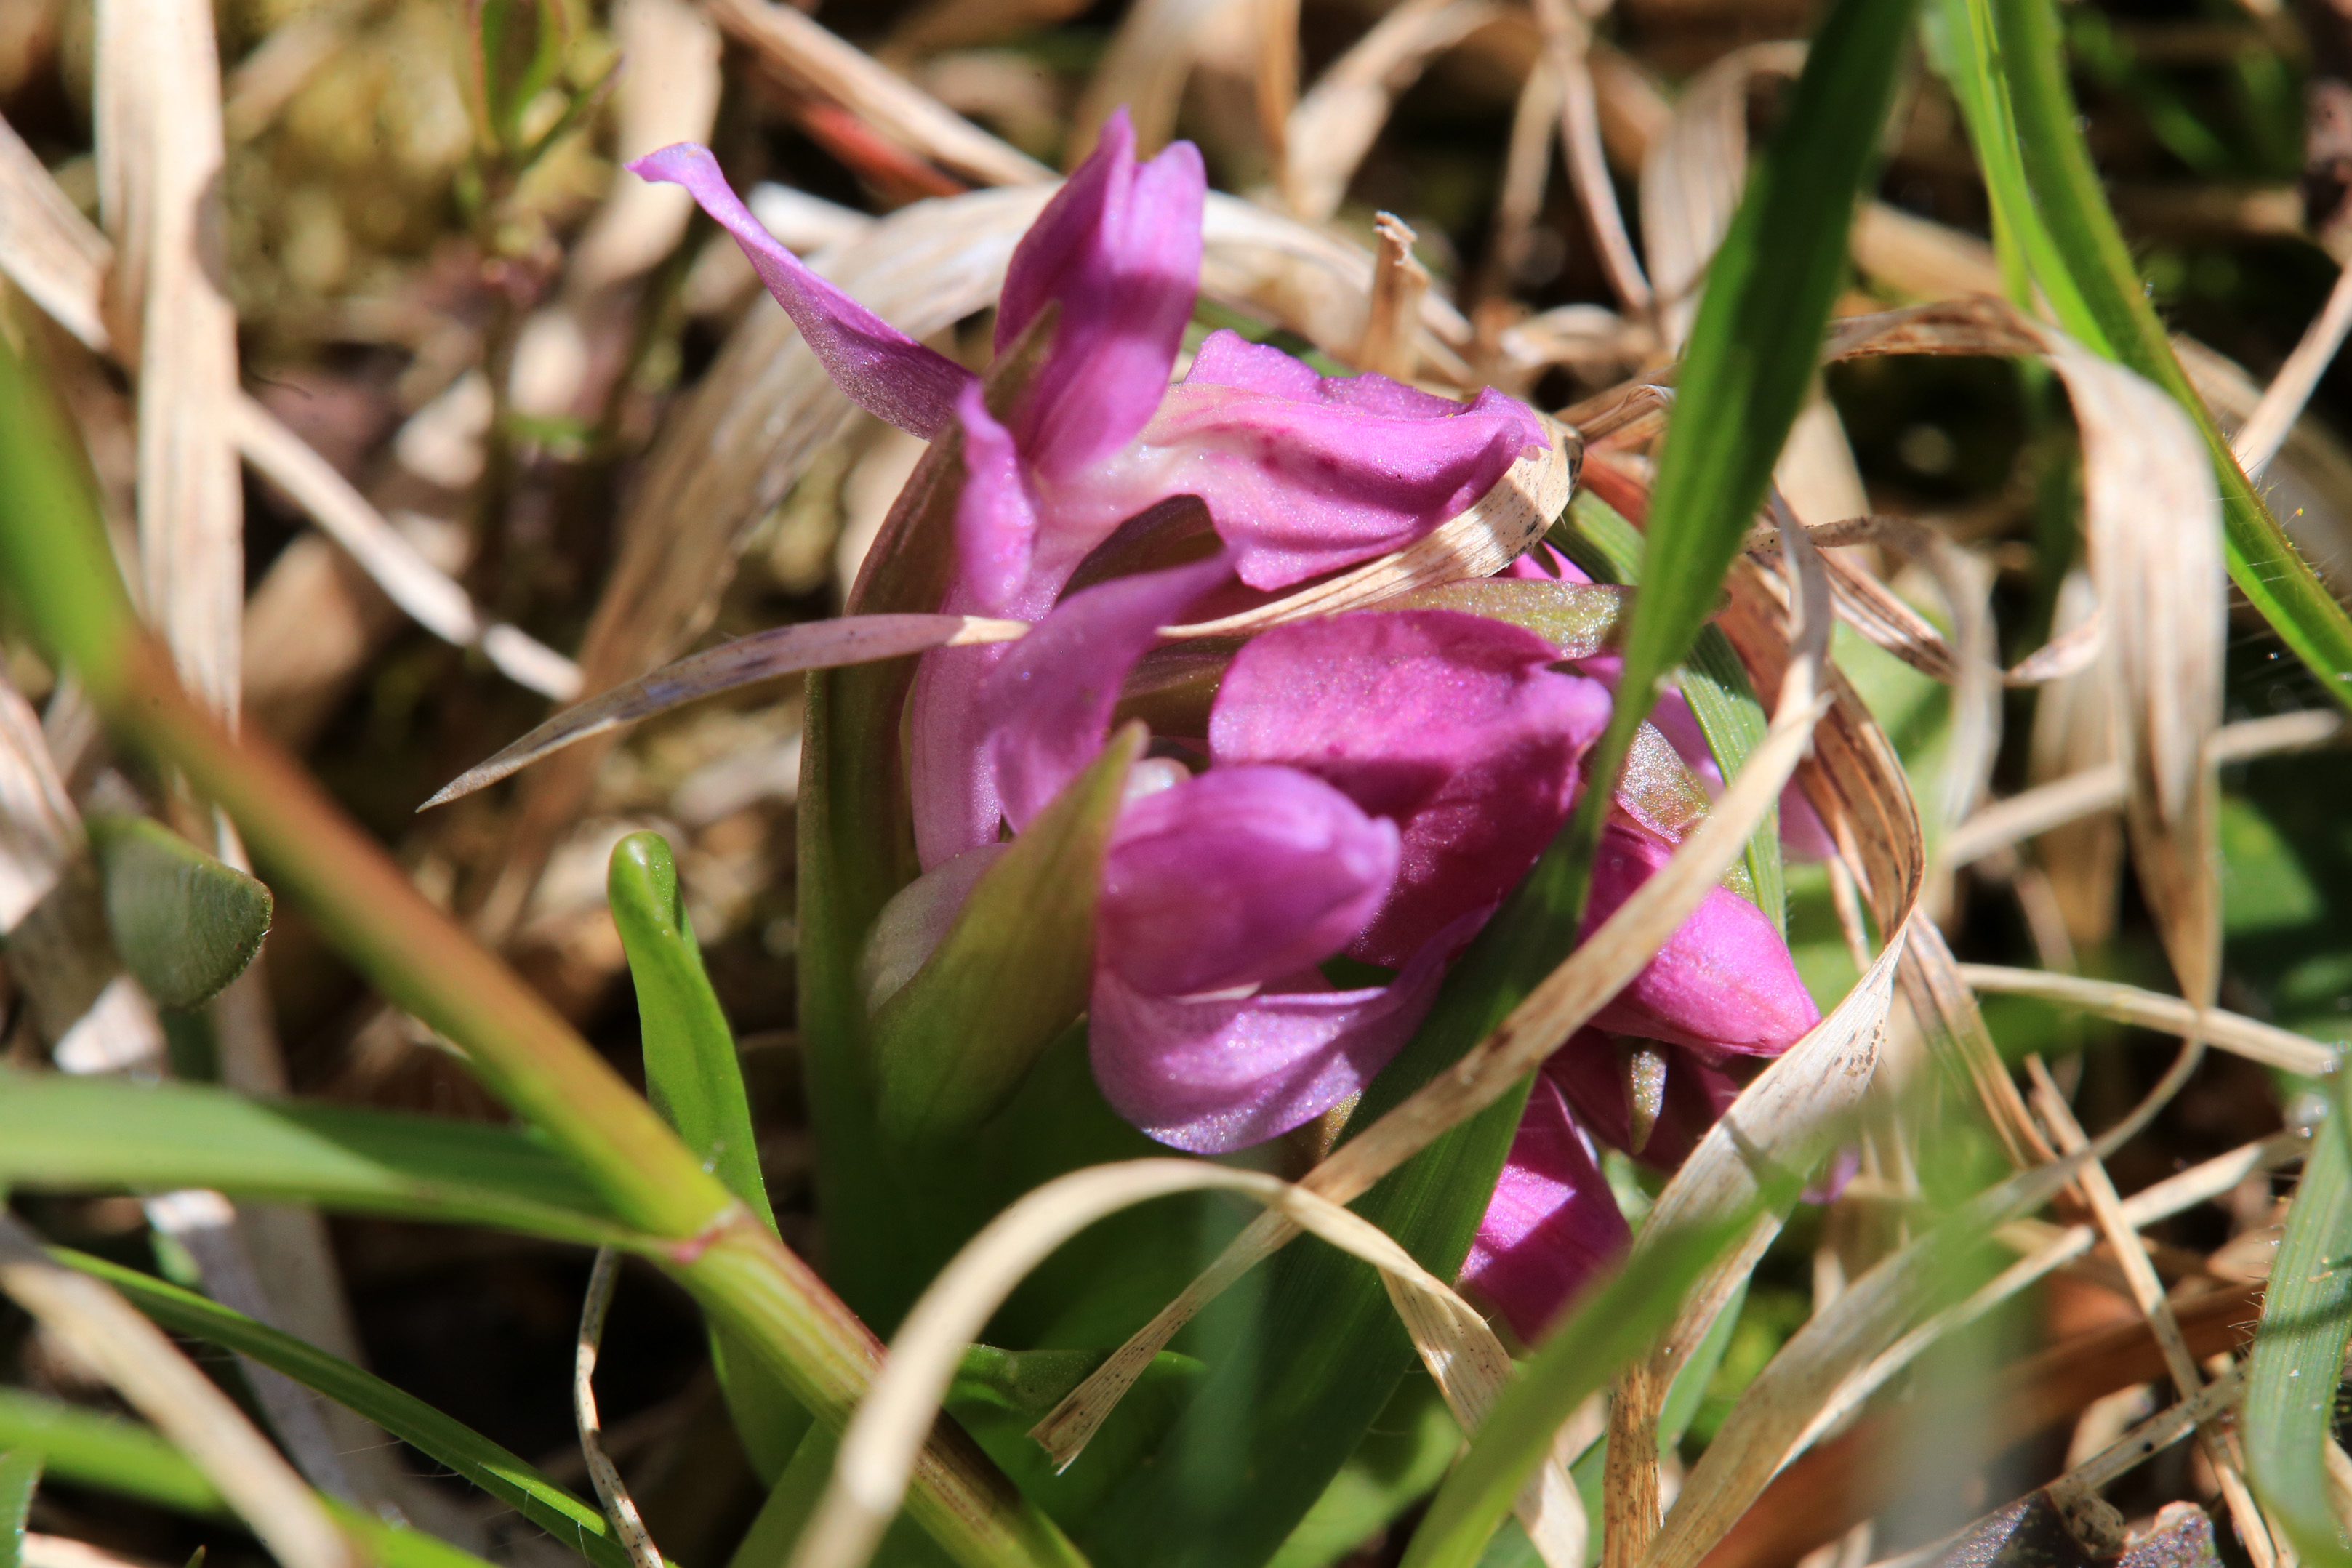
(1400, 1461)
(183, 924)
(89, 1448)
(56, 571)
(1610, 1327)
(65, 1132)
(955, 1043)
(2045, 190)
(2298, 1358)
(692, 1075)
(696, 1082)
(573, 1523)
(20, 1473)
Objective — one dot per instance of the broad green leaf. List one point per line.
(1713, 681)
(62, 1133)
(89, 1448)
(695, 1081)
(1610, 1325)
(20, 1474)
(183, 924)
(573, 1523)
(998, 1395)
(1400, 1462)
(692, 1075)
(2298, 1361)
(957, 1040)
(2012, 78)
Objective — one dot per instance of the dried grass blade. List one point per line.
(1335, 124)
(1399, 282)
(1946, 1010)
(162, 1384)
(2249, 1038)
(426, 594)
(1694, 175)
(762, 656)
(47, 247)
(2155, 538)
(159, 164)
(1150, 56)
(1567, 44)
(878, 1450)
(818, 61)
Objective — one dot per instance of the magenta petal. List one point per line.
(1552, 1223)
(889, 374)
(1723, 980)
(1236, 878)
(1587, 1070)
(1046, 708)
(996, 521)
(1305, 476)
(1451, 725)
(1118, 249)
(1213, 1073)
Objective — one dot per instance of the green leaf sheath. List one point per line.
(957, 1040)
(691, 1073)
(183, 924)
(1610, 1327)
(2298, 1359)
(20, 1474)
(2088, 274)
(572, 1522)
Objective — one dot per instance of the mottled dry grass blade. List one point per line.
(160, 162)
(2154, 532)
(1335, 124)
(163, 1386)
(1567, 41)
(877, 1450)
(1694, 173)
(762, 656)
(818, 61)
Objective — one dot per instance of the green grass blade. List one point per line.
(2298, 1358)
(58, 1132)
(1754, 346)
(573, 1523)
(2097, 293)
(20, 1474)
(692, 1075)
(92, 1449)
(1610, 1327)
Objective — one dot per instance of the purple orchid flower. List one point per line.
(1370, 784)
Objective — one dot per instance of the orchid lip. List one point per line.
(1476, 542)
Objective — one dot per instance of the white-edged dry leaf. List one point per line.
(761, 656)
(160, 155)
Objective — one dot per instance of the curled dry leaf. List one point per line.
(877, 1455)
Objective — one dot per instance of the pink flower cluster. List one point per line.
(1369, 784)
